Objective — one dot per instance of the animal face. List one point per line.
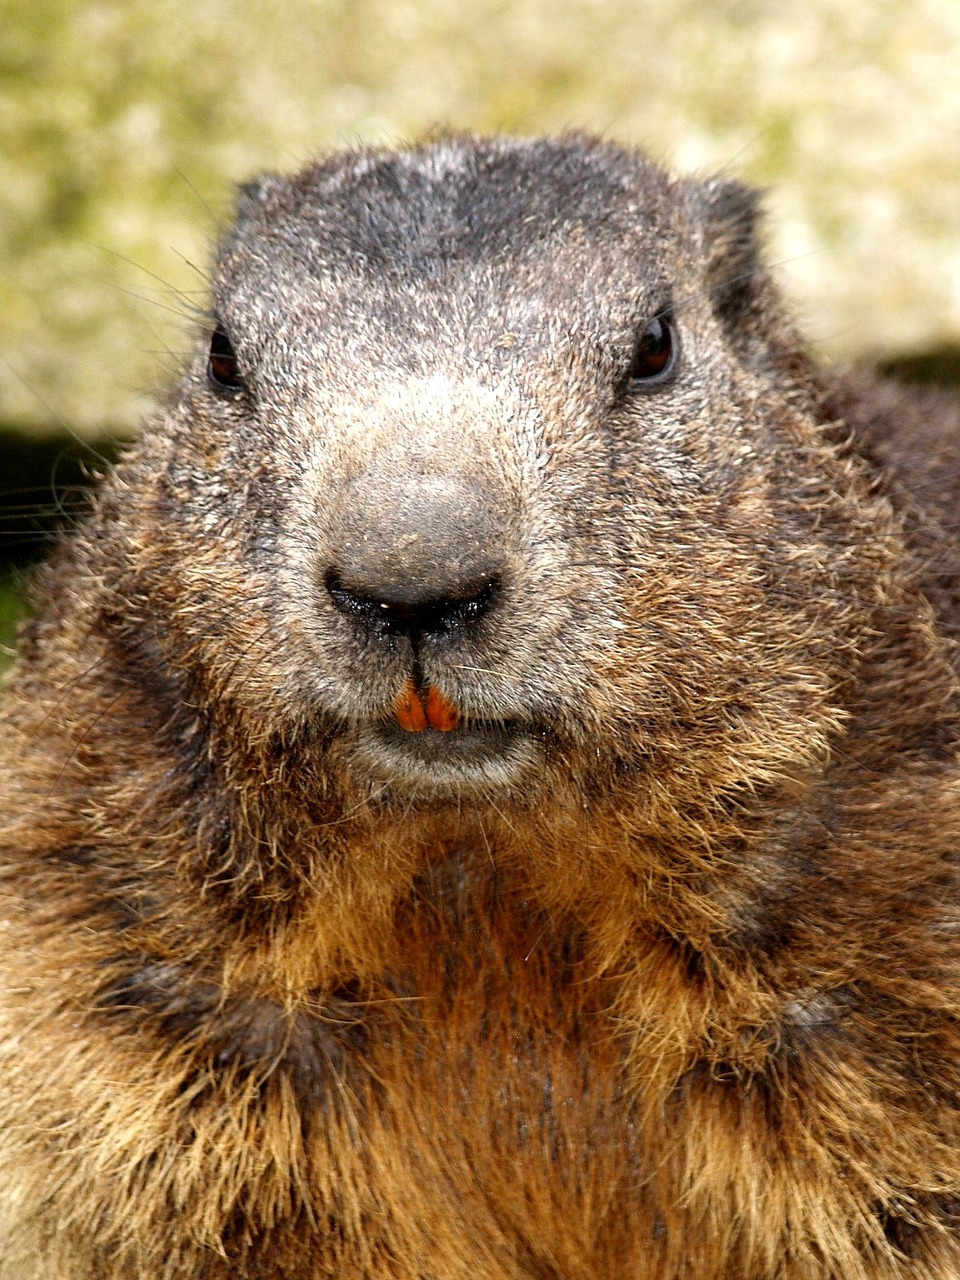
(508, 492)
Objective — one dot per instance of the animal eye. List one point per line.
(223, 369)
(655, 353)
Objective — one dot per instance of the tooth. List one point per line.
(409, 711)
(441, 714)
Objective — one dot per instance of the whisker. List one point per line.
(54, 415)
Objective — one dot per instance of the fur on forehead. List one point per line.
(469, 198)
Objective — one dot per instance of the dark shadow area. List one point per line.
(938, 366)
(44, 488)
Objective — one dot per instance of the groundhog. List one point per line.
(480, 791)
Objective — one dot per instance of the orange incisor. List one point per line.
(414, 716)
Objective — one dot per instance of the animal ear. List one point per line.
(742, 293)
(730, 215)
(254, 195)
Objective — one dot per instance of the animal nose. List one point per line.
(414, 610)
(414, 554)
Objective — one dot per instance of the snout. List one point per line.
(414, 558)
(418, 570)
(433, 599)
(413, 529)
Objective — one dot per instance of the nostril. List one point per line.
(408, 610)
(351, 603)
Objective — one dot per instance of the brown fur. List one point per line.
(650, 965)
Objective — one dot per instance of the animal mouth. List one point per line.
(441, 755)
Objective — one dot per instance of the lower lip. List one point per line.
(493, 754)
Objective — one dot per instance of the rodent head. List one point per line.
(498, 468)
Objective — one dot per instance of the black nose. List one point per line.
(412, 610)
(416, 548)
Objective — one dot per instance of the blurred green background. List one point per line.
(123, 126)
